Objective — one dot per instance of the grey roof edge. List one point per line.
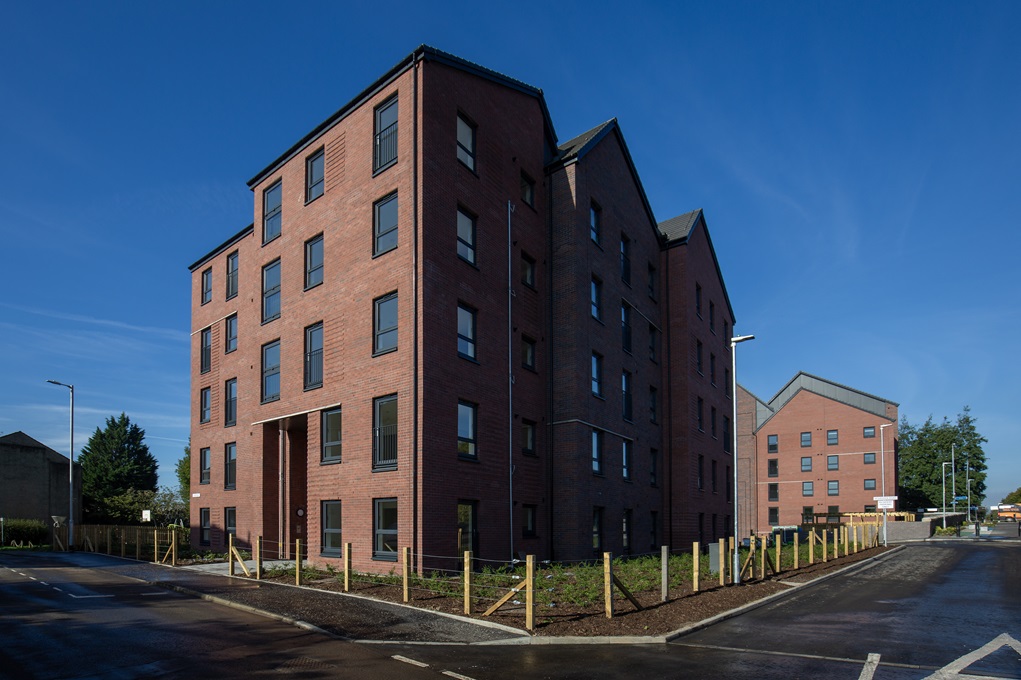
(222, 247)
(806, 374)
(775, 406)
(700, 220)
(598, 134)
(422, 52)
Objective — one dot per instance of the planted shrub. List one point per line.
(25, 531)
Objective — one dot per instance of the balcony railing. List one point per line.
(384, 446)
(385, 148)
(314, 368)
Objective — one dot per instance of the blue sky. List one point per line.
(857, 164)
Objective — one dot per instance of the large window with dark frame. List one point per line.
(314, 356)
(384, 528)
(271, 371)
(384, 149)
(385, 323)
(597, 529)
(595, 216)
(332, 543)
(230, 402)
(207, 285)
(527, 270)
(205, 349)
(465, 331)
(230, 465)
(625, 458)
(332, 436)
(700, 473)
(626, 396)
(230, 521)
(272, 200)
(527, 437)
(772, 443)
(625, 259)
(774, 492)
(467, 414)
(597, 452)
(384, 432)
(527, 352)
(465, 235)
(527, 190)
(230, 333)
(315, 174)
(314, 261)
(205, 526)
(808, 489)
(596, 298)
(205, 405)
(466, 142)
(205, 465)
(271, 291)
(597, 374)
(232, 275)
(625, 326)
(384, 224)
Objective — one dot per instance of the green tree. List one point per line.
(1013, 497)
(165, 507)
(921, 453)
(115, 461)
(183, 470)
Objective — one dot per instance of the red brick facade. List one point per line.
(521, 479)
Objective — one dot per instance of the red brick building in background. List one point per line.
(812, 452)
(446, 330)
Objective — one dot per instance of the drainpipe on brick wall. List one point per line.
(281, 512)
(510, 380)
(414, 303)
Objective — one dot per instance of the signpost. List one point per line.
(884, 503)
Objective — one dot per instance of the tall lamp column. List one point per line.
(736, 566)
(70, 470)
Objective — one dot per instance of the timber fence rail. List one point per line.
(143, 543)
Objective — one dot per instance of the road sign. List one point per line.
(884, 503)
(960, 498)
(884, 498)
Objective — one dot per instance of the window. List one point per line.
(466, 427)
(807, 488)
(653, 404)
(625, 538)
(204, 526)
(466, 142)
(870, 508)
(331, 436)
(625, 390)
(701, 472)
(698, 300)
(384, 525)
(205, 350)
(807, 514)
(625, 326)
(271, 291)
(833, 488)
(653, 529)
(528, 437)
(730, 498)
(712, 369)
(314, 175)
(314, 356)
(204, 405)
(698, 356)
(384, 152)
(527, 270)
(772, 467)
(465, 236)
(384, 430)
(653, 342)
(726, 332)
(230, 402)
(870, 484)
(232, 275)
(205, 465)
(832, 463)
(713, 476)
(314, 262)
(594, 219)
(207, 285)
(653, 282)
(868, 432)
(774, 517)
(726, 381)
(332, 544)
(625, 259)
(384, 224)
(597, 529)
(597, 452)
(528, 525)
(806, 463)
(726, 434)
(701, 415)
(230, 465)
(527, 190)
(772, 443)
(870, 459)
(833, 514)
(712, 317)
(831, 438)
(527, 352)
(271, 371)
(465, 332)
(272, 199)
(653, 467)
(230, 521)
(597, 374)
(712, 421)
(231, 323)
(625, 458)
(385, 323)
(774, 492)
(806, 440)
(596, 298)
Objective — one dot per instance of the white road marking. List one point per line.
(952, 671)
(87, 597)
(869, 669)
(405, 659)
(33, 578)
(452, 674)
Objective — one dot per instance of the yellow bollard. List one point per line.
(694, 567)
(723, 562)
(797, 552)
(297, 562)
(530, 592)
(467, 582)
(347, 567)
(406, 559)
(608, 584)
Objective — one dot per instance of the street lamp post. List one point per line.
(70, 470)
(736, 566)
(969, 501)
(953, 474)
(882, 462)
(945, 493)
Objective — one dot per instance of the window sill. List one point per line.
(270, 320)
(381, 253)
(309, 201)
(309, 388)
(380, 170)
(385, 557)
(468, 262)
(234, 424)
(529, 368)
(338, 461)
(383, 468)
(314, 285)
(230, 297)
(269, 240)
(381, 352)
(270, 400)
(468, 459)
(468, 358)
(335, 555)
(230, 488)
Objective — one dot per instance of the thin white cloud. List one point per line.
(167, 333)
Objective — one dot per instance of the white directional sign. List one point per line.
(884, 502)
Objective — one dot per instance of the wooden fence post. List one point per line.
(694, 566)
(124, 542)
(730, 557)
(156, 546)
(843, 530)
(723, 562)
(109, 541)
(347, 567)
(811, 547)
(836, 543)
(297, 562)
(762, 560)
(230, 554)
(173, 548)
(797, 551)
(530, 592)
(825, 546)
(855, 529)
(608, 583)
(405, 558)
(467, 582)
(778, 542)
(258, 558)
(664, 573)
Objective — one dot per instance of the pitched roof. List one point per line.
(21, 439)
(680, 227)
(677, 231)
(576, 148)
(828, 389)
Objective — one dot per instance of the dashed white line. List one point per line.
(452, 674)
(405, 659)
(869, 669)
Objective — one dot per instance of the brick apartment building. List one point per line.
(446, 330)
(812, 452)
